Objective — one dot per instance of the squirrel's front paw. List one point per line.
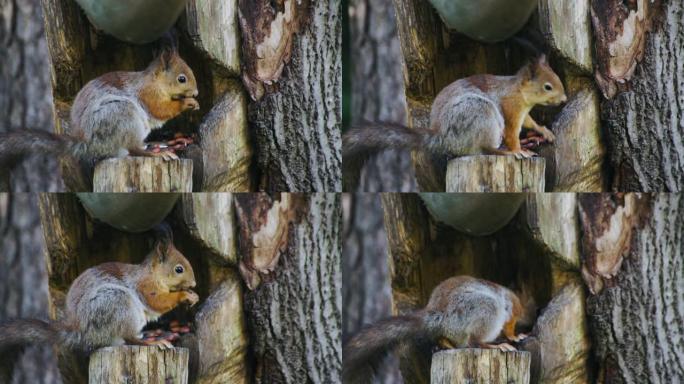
(190, 104)
(519, 337)
(190, 297)
(547, 134)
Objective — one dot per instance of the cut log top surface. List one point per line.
(495, 174)
(139, 365)
(490, 366)
(143, 174)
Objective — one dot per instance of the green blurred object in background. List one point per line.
(477, 214)
(130, 212)
(134, 21)
(485, 20)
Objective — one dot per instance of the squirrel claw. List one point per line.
(504, 347)
(525, 154)
(162, 344)
(167, 155)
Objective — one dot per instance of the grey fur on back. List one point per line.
(112, 120)
(107, 310)
(466, 310)
(468, 124)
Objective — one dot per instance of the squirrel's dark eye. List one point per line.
(179, 269)
(548, 87)
(182, 79)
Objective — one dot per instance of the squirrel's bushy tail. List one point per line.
(23, 332)
(15, 145)
(363, 354)
(362, 141)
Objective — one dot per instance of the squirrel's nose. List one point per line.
(564, 99)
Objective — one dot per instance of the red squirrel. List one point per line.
(471, 116)
(113, 114)
(462, 312)
(109, 304)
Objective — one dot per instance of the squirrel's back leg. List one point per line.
(473, 318)
(469, 123)
(114, 126)
(110, 315)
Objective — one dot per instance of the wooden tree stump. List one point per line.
(143, 174)
(139, 365)
(490, 366)
(495, 174)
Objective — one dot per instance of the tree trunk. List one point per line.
(25, 98)
(365, 287)
(636, 320)
(139, 365)
(377, 89)
(644, 124)
(294, 315)
(24, 285)
(297, 128)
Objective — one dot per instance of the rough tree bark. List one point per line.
(377, 90)
(644, 124)
(23, 285)
(25, 98)
(636, 320)
(294, 315)
(297, 128)
(366, 288)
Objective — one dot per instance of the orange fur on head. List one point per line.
(170, 87)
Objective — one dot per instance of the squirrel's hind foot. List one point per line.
(445, 343)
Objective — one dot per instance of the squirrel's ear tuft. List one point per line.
(163, 239)
(166, 57)
(528, 71)
(161, 251)
(167, 47)
(542, 60)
